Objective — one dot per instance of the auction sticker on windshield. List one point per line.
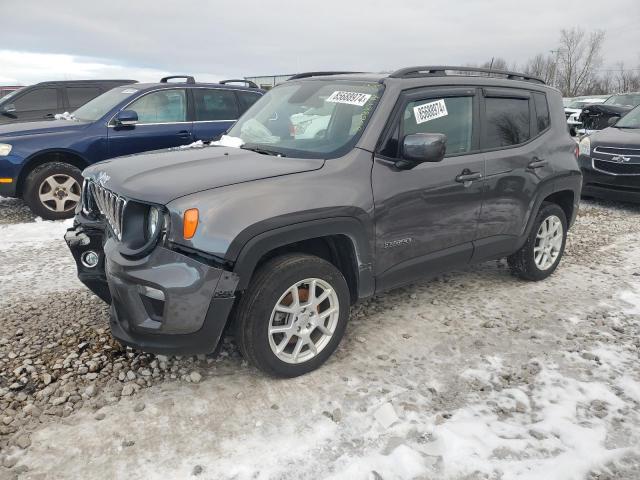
(430, 111)
(350, 98)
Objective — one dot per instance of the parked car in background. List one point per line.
(41, 161)
(610, 160)
(7, 89)
(574, 108)
(597, 117)
(276, 234)
(43, 101)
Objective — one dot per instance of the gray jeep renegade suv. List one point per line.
(330, 189)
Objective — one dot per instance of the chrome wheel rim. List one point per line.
(59, 193)
(303, 321)
(548, 242)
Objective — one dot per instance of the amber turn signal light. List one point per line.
(190, 223)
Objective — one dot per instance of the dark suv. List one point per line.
(413, 173)
(43, 100)
(42, 161)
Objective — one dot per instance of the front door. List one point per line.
(426, 218)
(41, 103)
(162, 123)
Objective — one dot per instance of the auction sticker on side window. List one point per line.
(350, 98)
(430, 111)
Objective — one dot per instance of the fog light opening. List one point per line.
(89, 259)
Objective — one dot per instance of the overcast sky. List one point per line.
(144, 39)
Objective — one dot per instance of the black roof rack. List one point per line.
(188, 78)
(233, 80)
(316, 74)
(441, 71)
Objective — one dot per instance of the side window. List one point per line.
(215, 104)
(164, 106)
(246, 100)
(452, 116)
(542, 111)
(78, 96)
(39, 99)
(507, 122)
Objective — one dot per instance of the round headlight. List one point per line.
(153, 222)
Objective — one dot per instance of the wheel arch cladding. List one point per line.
(565, 200)
(341, 241)
(40, 158)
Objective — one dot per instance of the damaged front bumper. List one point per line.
(166, 302)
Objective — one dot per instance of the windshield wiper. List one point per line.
(261, 150)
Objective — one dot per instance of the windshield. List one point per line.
(310, 119)
(625, 100)
(630, 120)
(100, 106)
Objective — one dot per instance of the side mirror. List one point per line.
(418, 148)
(126, 118)
(9, 108)
(612, 121)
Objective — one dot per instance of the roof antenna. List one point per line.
(491, 64)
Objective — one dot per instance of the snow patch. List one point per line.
(30, 235)
(64, 116)
(229, 141)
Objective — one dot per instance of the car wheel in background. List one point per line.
(293, 315)
(540, 255)
(52, 190)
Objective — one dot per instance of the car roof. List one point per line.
(163, 85)
(413, 77)
(72, 82)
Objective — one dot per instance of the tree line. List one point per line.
(574, 66)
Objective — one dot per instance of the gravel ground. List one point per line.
(474, 375)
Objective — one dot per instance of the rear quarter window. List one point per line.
(543, 120)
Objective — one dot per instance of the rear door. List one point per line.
(40, 103)
(162, 123)
(214, 111)
(79, 95)
(426, 218)
(515, 123)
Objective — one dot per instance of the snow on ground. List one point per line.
(474, 375)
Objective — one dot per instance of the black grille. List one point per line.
(617, 168)
(633, 152)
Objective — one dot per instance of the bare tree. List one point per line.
(578, 59)
(542, 66)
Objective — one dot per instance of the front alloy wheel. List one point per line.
(303, 321)
(60, 193)
(293, 315)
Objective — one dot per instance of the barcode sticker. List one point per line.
(430, 111)
(350, 98)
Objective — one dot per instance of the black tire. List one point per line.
(522, 263)
(253, 312)
(34, 182)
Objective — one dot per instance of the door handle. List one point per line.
(537, 163)
(468, 176)
(184, 134)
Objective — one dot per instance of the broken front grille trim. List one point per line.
(109, 204)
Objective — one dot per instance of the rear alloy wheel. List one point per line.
(540, 255)
(53, 190)
(293, 315)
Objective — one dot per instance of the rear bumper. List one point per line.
(165, 302)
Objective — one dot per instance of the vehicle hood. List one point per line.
(617, 137)
(39, 128)
(600, 109)
(162, 176)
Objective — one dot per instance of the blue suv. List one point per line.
(41, 162)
